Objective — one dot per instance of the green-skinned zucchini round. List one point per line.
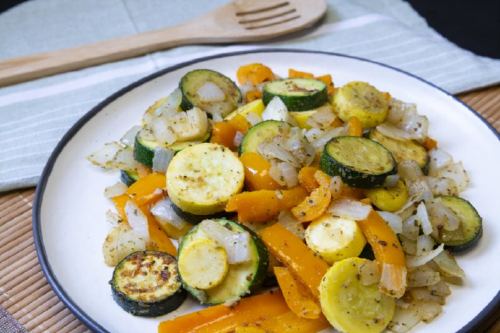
(128, 177)
(242, 278)
(297, 94)
(360, 162)
(261, 132)
(195, 219)
(147, 284)
(470, 230)
(193, 81)
(144, 147)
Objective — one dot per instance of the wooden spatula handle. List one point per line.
(49, 63)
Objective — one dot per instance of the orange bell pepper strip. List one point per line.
(120, 201)
(314, 205)
(429, 143)
(289, 322)
(337, 123)
(292, 73)
(223, 133)
(254, 74)
(306, 178)
(388, 253)
(222, 318)
(354, 127)
(253, 95)
(158, 239)
(249, 329)
(257, 172)
(239, 123)
(264, 205)
(148, 189)
(298, 299)
(327, 79)
(295, 255)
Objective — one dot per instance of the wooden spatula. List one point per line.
(238, 21)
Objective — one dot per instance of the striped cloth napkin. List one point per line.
(35, 115)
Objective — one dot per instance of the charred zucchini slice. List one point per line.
(298, 94)
(360, 162)
(402, 149)
(470, 230)
(261, 132)
(146, 283)
(209, 90)
(245, 272)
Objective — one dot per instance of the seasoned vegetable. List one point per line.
(209, 90)
(264, 205)
(351, 306)
(203, 264)
(388, 253)
(402, 149)
(254, 74)
(335, 238)
(470, 229)
(257, 172)
(223, 318)
(363, 101)
(246, 263)
(294, 254)
(360, 162)
(298, 299)
(261, 132)
(314, 205)
(202, 178)
(389, 199)
(289, 322)
(256, 107)
(298, 94)
(146, 283)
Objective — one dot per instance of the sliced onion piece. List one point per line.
(326, 136)
(105, 154)
(275, 173)
(289, 173)
(457, 173)
(429, 310)
(393, 220)
(129, 137)
(395, 132)
(322, 118)
(237, 244)
(336, 185)
(115, 190)
(442, 216)
(409, 245)
(425, 295)
(438, 159)
(448, 265)
(424, 245)
(161, 159)
(410, 228)
(171, 105)
(113, 218)
(164, 213)
(210, 92)
(137, 219)
(275, 110)
(253, 118)
(286, 219)
(391, 180)
(423, 218)
(442, 186)
(422, 277)
(120, 242)
(162, 132)
(350, 209)
(415, 261)
(410, 170)
(404, 319)
(271, 150)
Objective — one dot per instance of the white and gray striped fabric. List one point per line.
(35, 115)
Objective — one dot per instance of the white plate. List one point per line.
(69, 213)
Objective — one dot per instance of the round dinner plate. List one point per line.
(69, 213)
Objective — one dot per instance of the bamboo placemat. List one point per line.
(24, 292)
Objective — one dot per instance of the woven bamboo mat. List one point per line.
(24, 292)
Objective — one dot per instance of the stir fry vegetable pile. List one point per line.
(285, 204)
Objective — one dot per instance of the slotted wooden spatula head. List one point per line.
(257, 20)
(238, 21)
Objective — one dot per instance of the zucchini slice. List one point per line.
(389, 199)
(349, 305)
(261, 132)
(471, 227)
(195, 219)
(146, 283)
(128, 177)
(144, 146)
(209, 90)
(402, 149)
(298, 94)
(202, 178)
(240, 279)
(335, 238)
(363, 101)
(360, 162)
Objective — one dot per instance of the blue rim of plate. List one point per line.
(474, 325)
